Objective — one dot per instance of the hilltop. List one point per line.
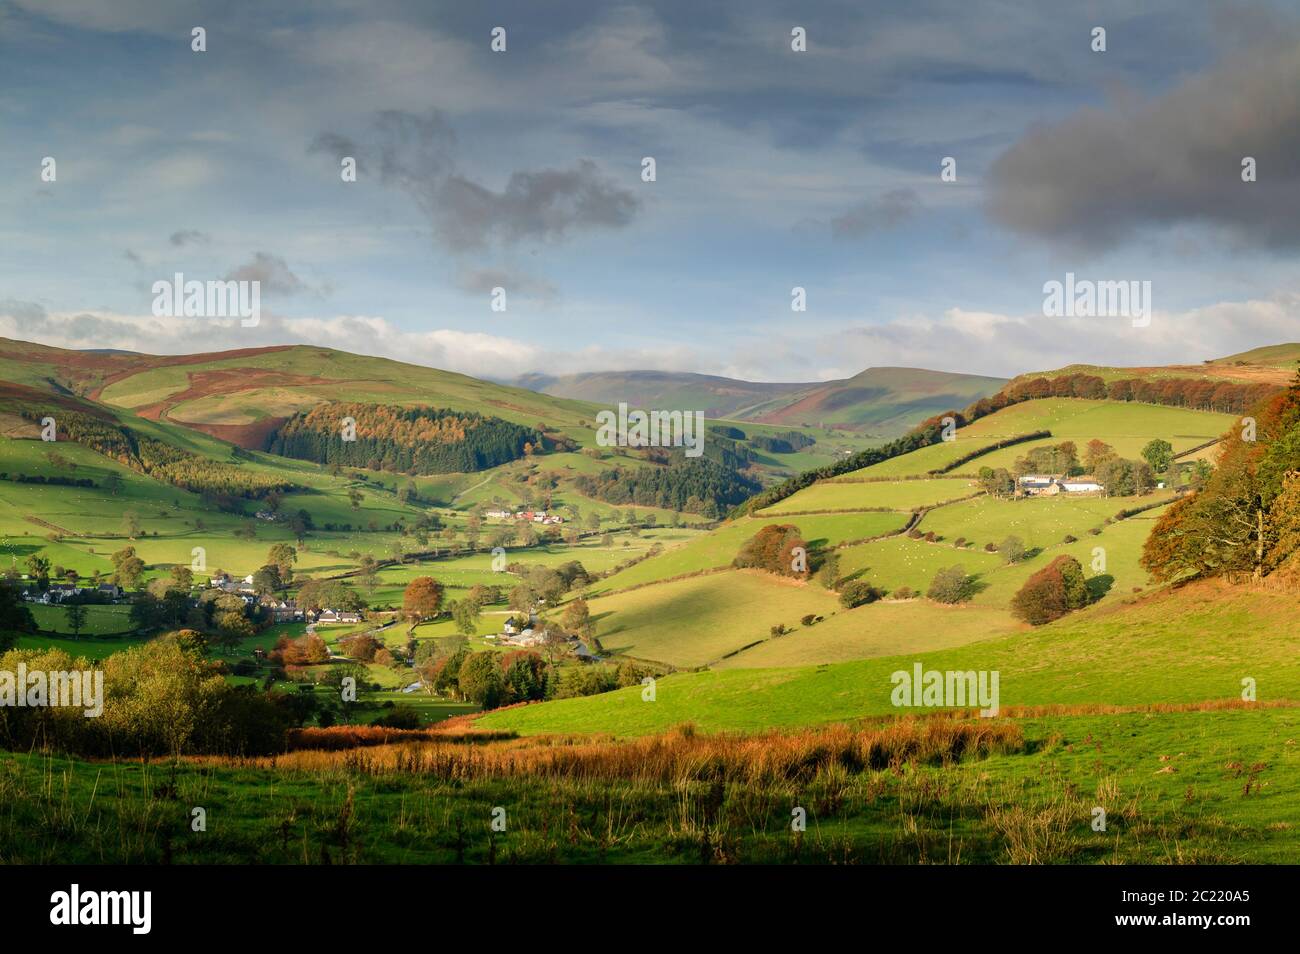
(1274, 364)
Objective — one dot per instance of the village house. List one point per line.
(57, 593)
(1038, 485)
(1085, 484)
(529, 516)
(1048, 485)
(282, 611)
(337, 616)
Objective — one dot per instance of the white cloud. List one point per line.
(958, 340)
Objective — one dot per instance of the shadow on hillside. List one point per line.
(20, 550)
(1099, 586)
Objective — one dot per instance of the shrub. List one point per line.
(481, 680)
(828, 574)
(858, 593)
(401, 717)
(1013, 549)
(904, 593)
(1052, 592)
(809, 619)
(1070, 538)
(950, 585)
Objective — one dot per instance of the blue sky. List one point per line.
(775, 168)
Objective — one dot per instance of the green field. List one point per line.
(1178, 788)
(1125, 426)
(694, 621)
(899, 562)
(1157, 650)
(1037, 521)
(100, 620)
(893, 495)
(878, 629)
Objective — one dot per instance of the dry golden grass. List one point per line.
(679, 755)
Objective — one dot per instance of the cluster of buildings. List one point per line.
(1048, 485)
(528, 636)
(282, 611)
(534, 516)
(61, 592)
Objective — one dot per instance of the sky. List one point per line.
(775, 168)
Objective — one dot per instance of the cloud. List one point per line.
(960, 340)
(145, 16)
(189, 237)
(272, 271)
(1103, 176)
(1003, 345)
(415, 154)
(886, 211)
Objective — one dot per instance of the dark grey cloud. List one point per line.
(415, 154)
(27, 316)
(189, 237)
(1104, 175)
(886, 211)
(272, 271)
(32, 321)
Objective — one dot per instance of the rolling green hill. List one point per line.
(1142, 653)
(1271, 356)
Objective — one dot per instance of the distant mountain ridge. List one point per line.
(882, 401)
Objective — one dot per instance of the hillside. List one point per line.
(1136, 654)
(884, 402)
(1284, 356)
(680, 607)
(1273, 365)
(717, 397)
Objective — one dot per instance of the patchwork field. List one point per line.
(719, 547)
(899, 562)
(1037, 521)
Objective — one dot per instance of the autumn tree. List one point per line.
(776, 548)
(1095, 453)
(1052, 592)
(422, 599)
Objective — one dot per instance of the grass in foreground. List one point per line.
(1188, 787)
